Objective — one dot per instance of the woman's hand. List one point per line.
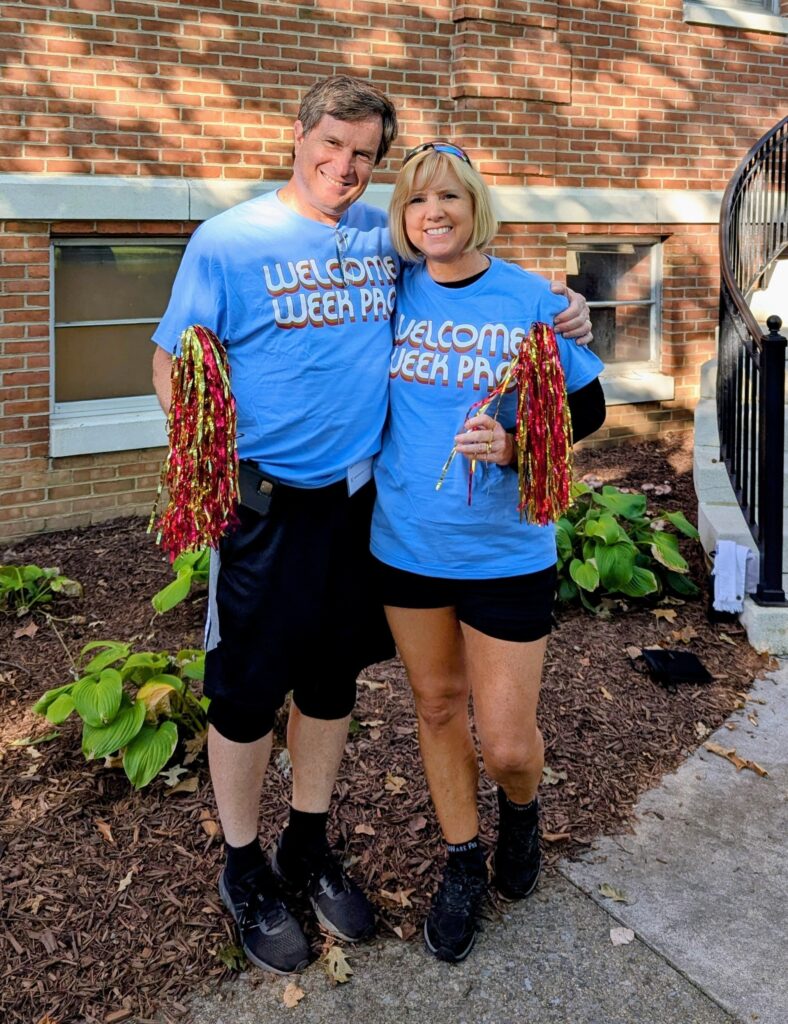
(575, 321)
(485, 439)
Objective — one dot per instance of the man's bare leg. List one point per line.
(237, 771)
(316, 748)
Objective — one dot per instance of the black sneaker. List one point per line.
(518, 858)
(270, 935)
(340, 906)
(450, 928)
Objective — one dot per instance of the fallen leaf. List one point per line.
(551, 778)
(113, 761)
(336, 965)
(32, 753)
(29, 630)
(233, 957)
(46, 1019)
(364, 830)
(105, 830)
(194, 746)
(209, 827)
(172, 775)
(30, 741)
(125, 882)
(36, 902)
(701, 730)
(611, 893)
(727, 639)
(189, 785)
(556, 837)
(417, 823)
(400, 897)
(371, 723)
(292, 995)
(733, 757)
(633, 652)
(684, 635)
(621, 936)
(395, 784)
(664, 613)
(606, 693)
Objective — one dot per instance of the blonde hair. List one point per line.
(426, 167)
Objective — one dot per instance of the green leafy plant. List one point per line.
(609, 547)
(22, 587)
(189, 568)
(133, 706)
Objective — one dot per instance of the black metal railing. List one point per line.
(751, 363)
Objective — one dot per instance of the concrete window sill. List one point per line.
(631, 385)
(110, 425)
(743, 18)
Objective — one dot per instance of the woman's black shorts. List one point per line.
(516, 608)
(292, 607)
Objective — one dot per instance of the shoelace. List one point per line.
(330, 873)
(259, 907)
(455, 889)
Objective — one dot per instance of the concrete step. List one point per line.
(720, 518)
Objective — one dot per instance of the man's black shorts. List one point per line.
(291, 604)
(515, 608)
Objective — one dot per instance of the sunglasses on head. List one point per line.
(439, 147)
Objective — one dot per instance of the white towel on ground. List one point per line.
(733, 575)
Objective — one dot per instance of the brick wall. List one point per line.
(611, 93)
(579, 93)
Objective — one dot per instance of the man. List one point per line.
(300, 286)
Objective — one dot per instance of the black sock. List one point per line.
(305, 835)
(242, 859)
(509, 809)
(469, 856)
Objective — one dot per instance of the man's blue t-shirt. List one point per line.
(449, 345)
(304, 310)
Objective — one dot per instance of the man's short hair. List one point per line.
(418, 173)
(349, 99)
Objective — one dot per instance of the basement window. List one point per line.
(621, 282)
(109, 295)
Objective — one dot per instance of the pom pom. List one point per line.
(543, 429)
(201, 468)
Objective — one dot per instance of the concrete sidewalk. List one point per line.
(705, 883)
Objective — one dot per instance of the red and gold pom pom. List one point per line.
(543, 428)
(201, 468)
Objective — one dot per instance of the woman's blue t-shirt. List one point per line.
(449, 346)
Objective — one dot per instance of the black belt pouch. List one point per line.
(255, 487)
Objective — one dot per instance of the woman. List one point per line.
(468, 588)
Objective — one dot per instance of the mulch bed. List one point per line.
(108, 903)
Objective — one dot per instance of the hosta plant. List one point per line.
(23, 587)
(191, 567)
(134, 707)
(610, 548)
